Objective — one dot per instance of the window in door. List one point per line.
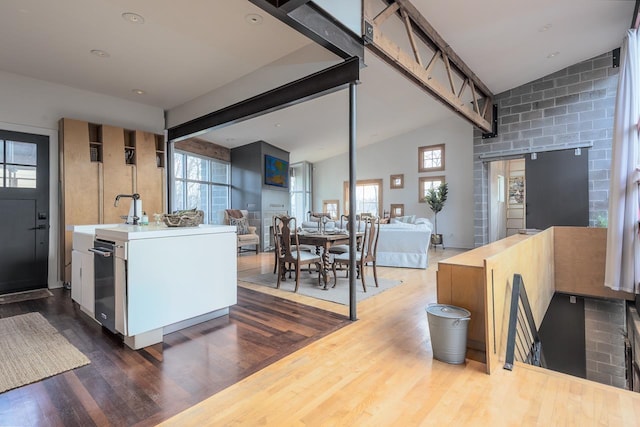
(431, 158)
(18, 162)
(368, 197)
(425, 183)
(203, 183)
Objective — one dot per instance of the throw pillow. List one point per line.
(241, 225)
(409, 219)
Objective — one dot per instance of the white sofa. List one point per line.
(404, 245)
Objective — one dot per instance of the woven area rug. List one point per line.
(31, 350)
(309, 286)
(24, 296)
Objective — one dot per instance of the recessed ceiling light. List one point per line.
(553, 54)
(138, 91)
(545, 27)
(100, 53)
(134, 18)
(253, 19)
(277, 125)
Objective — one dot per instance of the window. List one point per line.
(426, 183)
(396, 181)
(431, 158)
(18, 162)
(300, 190)
(332, 207)
(397, 210)
(368, 197)
(202, 183)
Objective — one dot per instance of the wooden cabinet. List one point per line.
(98, 162)
(150, 172)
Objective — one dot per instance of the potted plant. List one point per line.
(435, 198)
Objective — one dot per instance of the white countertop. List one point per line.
(126, 232)
(91, 228)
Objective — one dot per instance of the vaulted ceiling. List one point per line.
(186, 50)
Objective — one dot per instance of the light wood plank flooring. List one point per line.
(379, 371)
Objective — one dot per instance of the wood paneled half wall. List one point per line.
(558, 259)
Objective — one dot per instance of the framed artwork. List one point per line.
(397, 210)
(276, 171)
(396, 181)
(516, 190)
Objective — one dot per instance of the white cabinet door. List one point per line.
(88, 292)
(76, 276)
(82, 290)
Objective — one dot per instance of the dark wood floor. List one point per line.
(125, 387)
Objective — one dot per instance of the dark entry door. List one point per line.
(557, 189)
(24, 211)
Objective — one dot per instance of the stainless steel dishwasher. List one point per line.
(105, 282)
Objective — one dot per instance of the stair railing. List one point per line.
(522, 337)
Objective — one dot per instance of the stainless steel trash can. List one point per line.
(448, 326)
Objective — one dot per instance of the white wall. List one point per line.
(398, 155)
(35, 106)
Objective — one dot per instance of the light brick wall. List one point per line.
(570, 107)
(604, 338)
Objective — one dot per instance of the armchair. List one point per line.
(247, 235)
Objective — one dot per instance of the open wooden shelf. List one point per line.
(95, 142)
(130, 147)
(160, 151)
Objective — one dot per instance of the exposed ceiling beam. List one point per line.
(315, 85)
(441, 44)
(411, 64)
(288, 5)
(316, 24)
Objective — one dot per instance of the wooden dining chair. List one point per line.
(365, 255)
(288, 251)
(344, 222)
(274, 235)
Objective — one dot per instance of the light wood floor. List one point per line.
(379, 371)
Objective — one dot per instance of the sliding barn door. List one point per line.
(557, 189)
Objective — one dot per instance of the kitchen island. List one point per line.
(166, 278)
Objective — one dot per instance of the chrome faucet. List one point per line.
(134, 196)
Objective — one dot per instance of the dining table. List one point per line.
(322, 242)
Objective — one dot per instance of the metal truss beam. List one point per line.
(411, 63)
